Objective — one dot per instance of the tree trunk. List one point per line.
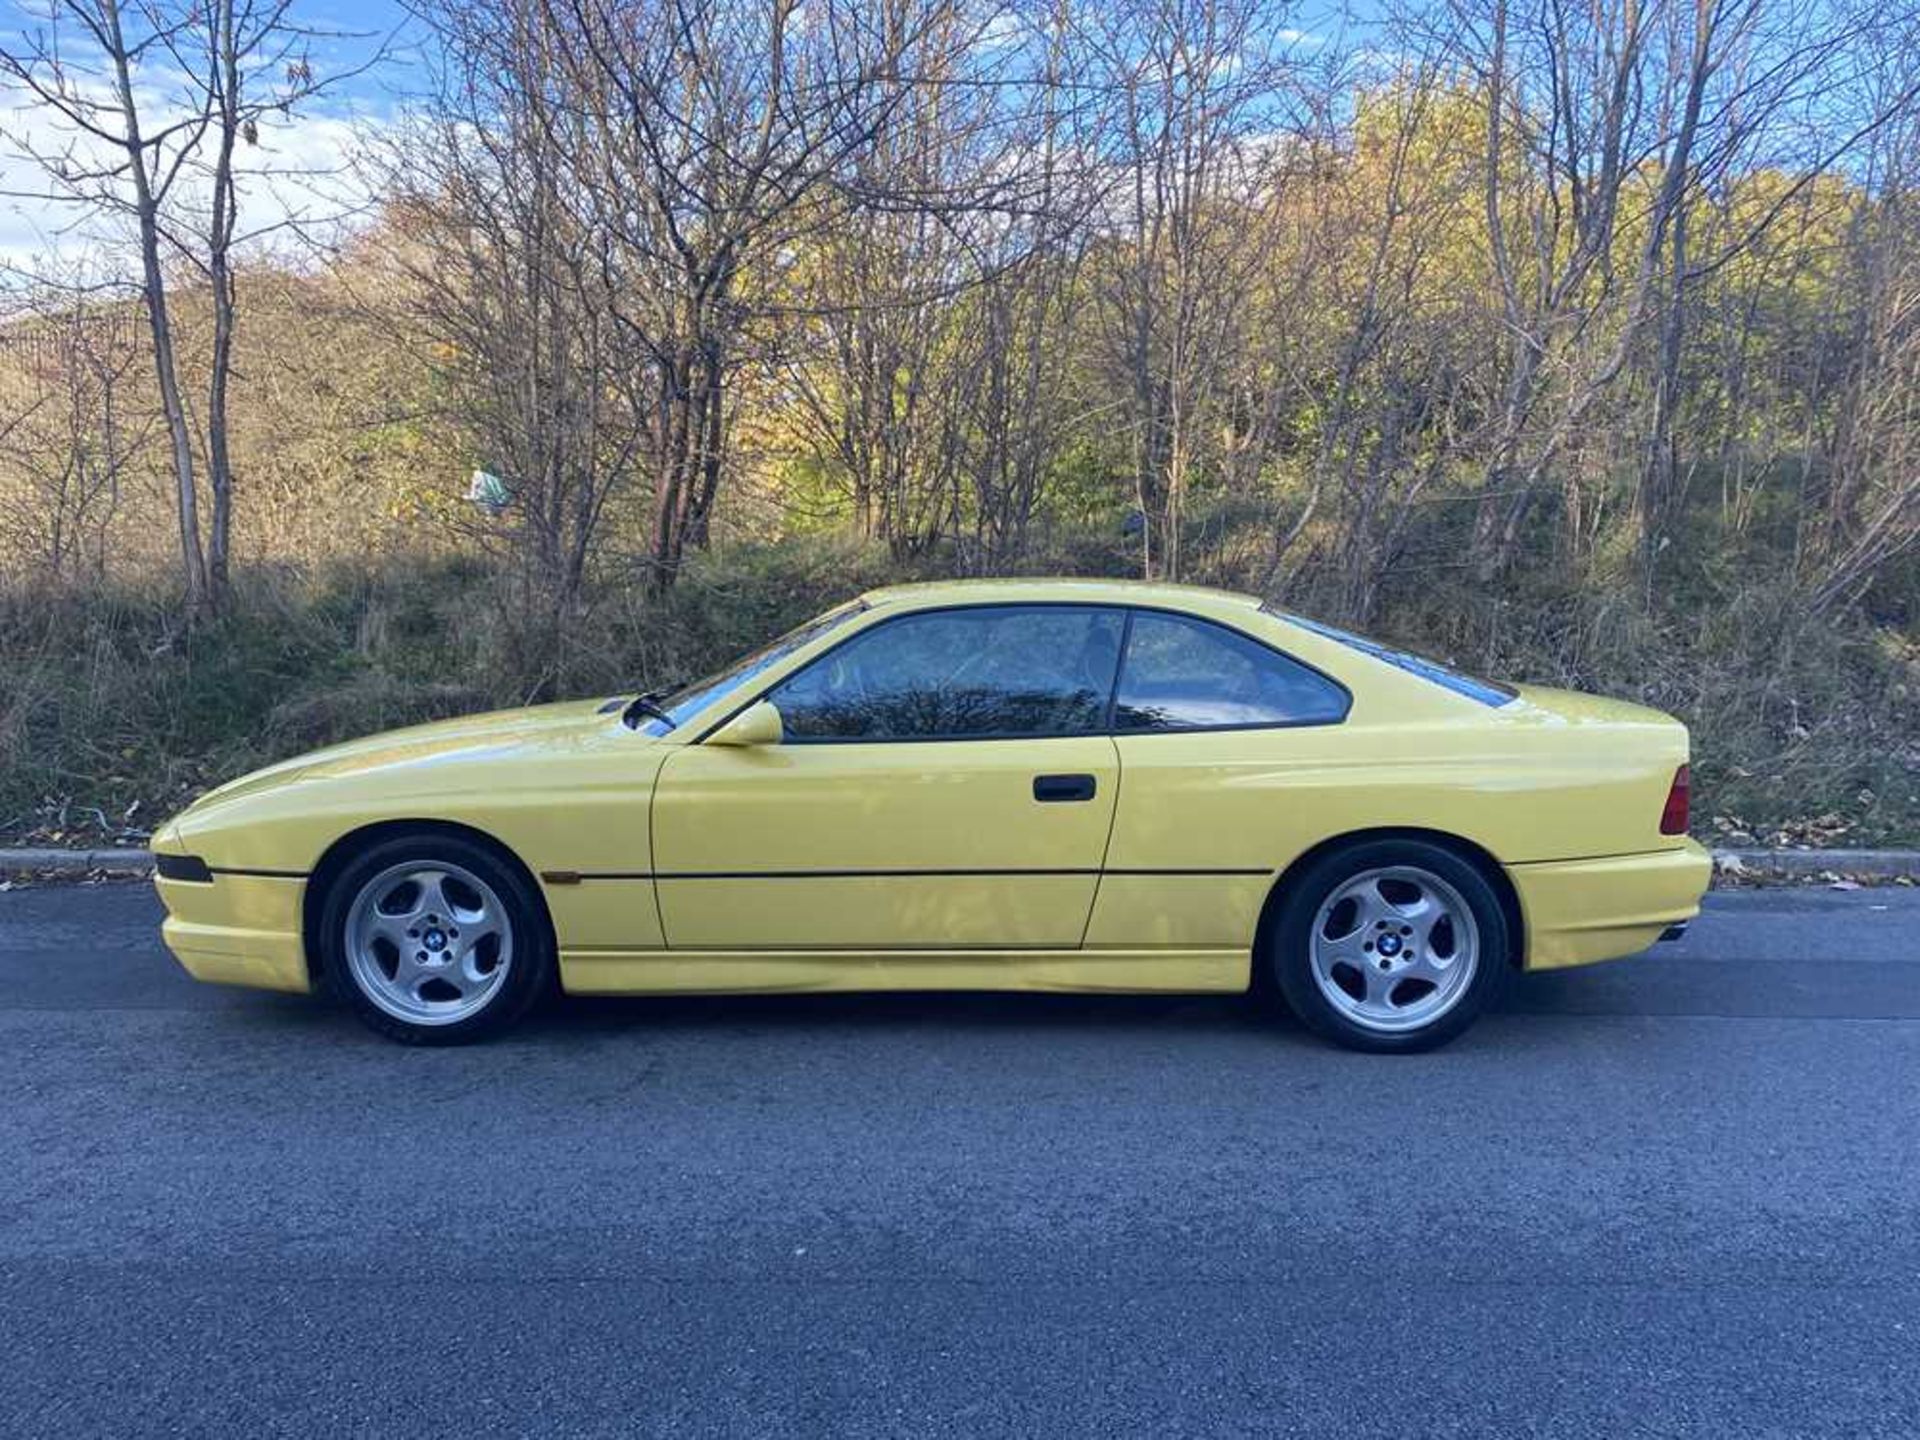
(220, 274)
(193, 560)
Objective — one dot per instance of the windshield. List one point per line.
(1487, 692)
(678, 706)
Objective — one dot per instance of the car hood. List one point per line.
(498, 734)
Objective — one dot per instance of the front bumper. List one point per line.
(238, 929)
(1580, 911)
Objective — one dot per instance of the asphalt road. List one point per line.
(1676, 1195)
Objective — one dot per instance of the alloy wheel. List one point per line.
(429, 943)
(1394, 949)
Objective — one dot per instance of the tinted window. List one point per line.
(1487, 692)
(1188, 675)
(961, 674)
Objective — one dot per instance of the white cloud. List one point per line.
(1004, 28)
(300, 173)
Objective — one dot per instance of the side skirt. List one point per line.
(716, 972)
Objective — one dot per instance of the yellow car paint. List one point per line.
(714, 972)
(970, 859)
(243, 930)
(1580, 911)
(669, 864)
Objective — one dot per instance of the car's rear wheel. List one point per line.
(433, 939)
(1389, 945)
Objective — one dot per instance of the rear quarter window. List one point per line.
(1183, 673)
(1487, 692)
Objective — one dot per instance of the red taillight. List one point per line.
(1673, 819)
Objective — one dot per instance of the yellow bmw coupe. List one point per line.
(986, 785)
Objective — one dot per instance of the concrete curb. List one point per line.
(74, 862)
(1878, 864)
(1875, 864)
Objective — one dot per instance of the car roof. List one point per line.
(930, 593)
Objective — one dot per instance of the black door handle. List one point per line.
(1051, 789)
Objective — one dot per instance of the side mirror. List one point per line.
(758, 724)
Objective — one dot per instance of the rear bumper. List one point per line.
(238, 930)
(1580, 911)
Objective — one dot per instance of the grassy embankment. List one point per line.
(110, 717)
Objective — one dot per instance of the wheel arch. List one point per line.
(341, 852)
(1482, 860)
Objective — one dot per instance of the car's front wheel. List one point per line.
(1389, 945)
(433, 939)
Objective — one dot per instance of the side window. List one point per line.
(1184, 674)
(996, 670)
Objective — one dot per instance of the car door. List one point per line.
(945, 781)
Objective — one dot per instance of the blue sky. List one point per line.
(300, 167)
(383, 17)
(318, 143)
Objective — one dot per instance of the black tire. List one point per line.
(530, 967)
(1287, 963)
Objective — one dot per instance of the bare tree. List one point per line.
(1202, 124)
(1871, 512)
(1606, 125)
(507, 284)
(155, 96)
(717, 137)
(73, 430)
(937, 319)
